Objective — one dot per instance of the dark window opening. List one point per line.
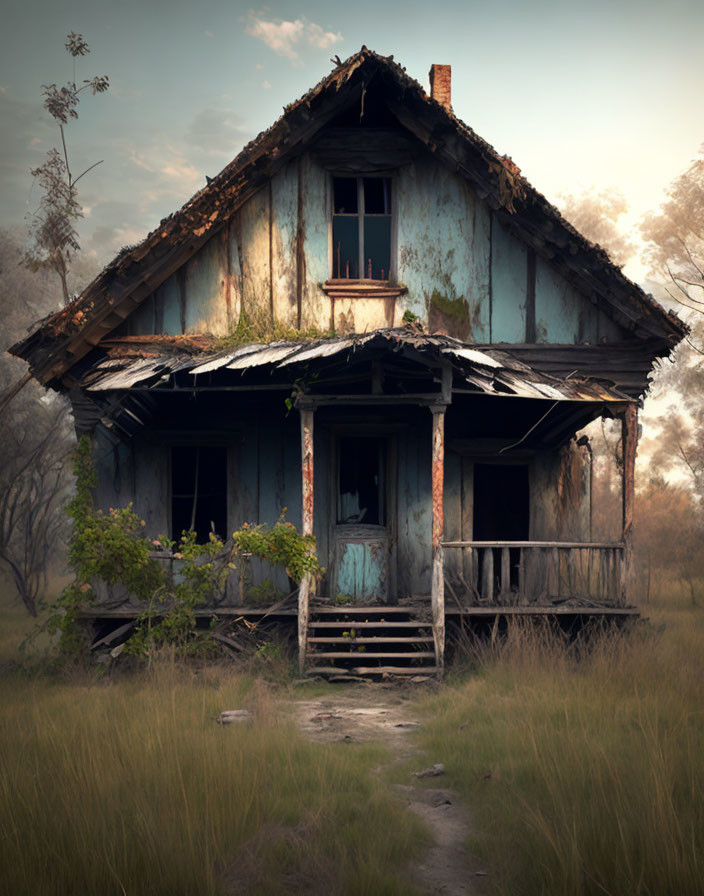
(345, 190)
(502, 510)
(362, 481)
(361, 228)
(199, 491)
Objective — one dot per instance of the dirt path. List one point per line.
(368, 714)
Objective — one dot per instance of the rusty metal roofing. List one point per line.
(487, 371)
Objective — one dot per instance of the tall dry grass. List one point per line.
(585, 769)
(131, 787)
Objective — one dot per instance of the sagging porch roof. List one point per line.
(486, 371)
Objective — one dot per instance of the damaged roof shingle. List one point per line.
(489, 372)
(136, 272)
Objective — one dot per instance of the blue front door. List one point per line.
(362, 564)
(361, 541)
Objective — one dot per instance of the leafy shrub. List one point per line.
(282, 545)
(112, 548)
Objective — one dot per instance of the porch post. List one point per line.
(438, 580)
(629, 442)
(306, 411)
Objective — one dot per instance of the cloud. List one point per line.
(217, 133)
(145, 175)
(25, 136)
(287, 38)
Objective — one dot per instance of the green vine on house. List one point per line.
(111, 547)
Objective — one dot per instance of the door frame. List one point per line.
(390, 529)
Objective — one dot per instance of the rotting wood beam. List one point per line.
(566, 545)
(419, 398)
(307, 477)
(438, 579)
(530, 296)
(300, 246)
(629, 438)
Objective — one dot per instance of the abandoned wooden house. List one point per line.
(427, 437)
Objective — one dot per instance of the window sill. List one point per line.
(362, 289)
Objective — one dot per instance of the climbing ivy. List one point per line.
(112, 547)
(107, 546)
(282, 545)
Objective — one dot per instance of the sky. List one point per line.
(603, 95)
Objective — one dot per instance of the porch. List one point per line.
(440, 482)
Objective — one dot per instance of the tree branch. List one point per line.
(87, 170)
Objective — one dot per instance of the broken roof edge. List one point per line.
(210, 208)
(490, 372)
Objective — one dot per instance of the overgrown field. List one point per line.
(585, 774)
(129, 786)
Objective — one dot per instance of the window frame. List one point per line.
(360, 214)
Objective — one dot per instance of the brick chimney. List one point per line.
(441, 85)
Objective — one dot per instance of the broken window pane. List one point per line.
(345, 190)
(377, 196)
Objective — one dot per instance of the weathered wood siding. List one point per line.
(444, 249)
(465, 273)
(414, 510)
(560, 485)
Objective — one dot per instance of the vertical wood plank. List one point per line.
(554, 586)
(629, 437)
(505, 576)
(452, 515)
(474, 573)
(469, 558)
(522, 596)
(488, 574)
(571, 572)
(438, 583)
(307, 472)
(530, 297)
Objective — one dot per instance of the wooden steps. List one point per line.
(369, 655)
(379, 612)
(371, 671)
(371, 640)
(376, 641)
(375, 625)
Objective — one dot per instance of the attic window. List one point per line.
(361, 228)
(199, 490)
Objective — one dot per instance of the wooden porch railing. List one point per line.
(508, 573)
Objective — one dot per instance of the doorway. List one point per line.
(361, 535)
(502, 512)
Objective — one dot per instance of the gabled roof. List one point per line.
(68, 335)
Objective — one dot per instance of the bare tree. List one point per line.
(675, 238)
(53, 233)
(35, 440)
(675, 251)
(35, 483)
(596, 215)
